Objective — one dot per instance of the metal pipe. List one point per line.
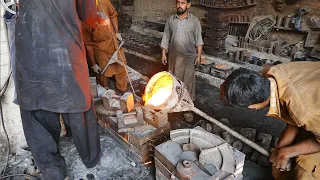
(181, 101)
(232, 132)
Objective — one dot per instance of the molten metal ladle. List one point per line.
(179, 100)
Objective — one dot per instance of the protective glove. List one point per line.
(96, 68)
(118, 35)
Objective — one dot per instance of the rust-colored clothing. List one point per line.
(295, 99)
(104, 44)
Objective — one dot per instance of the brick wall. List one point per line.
(160, 10)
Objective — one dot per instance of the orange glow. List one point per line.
(221, 66)
(159, 97)
(158, 90)
(146, 163)
(125, 138)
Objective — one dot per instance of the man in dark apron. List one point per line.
(52, 79)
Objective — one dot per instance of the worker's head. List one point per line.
(246, 89)
(182, 6)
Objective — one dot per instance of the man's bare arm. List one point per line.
(308, 146)
(164, 56)
(288, 135)
(199, 52)
(199, 48)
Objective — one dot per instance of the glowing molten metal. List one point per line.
(158, 89)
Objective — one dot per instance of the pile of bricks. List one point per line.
(142, 44)
(264, 140)
(137, 128)
(125, 15)
(216, 33)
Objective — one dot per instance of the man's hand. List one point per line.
(279, 160)
(118, 35)
(96, 68)
(164, 59)
(197, 61)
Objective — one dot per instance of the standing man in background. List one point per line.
(52, 78)
(101, 43)
(183, 42)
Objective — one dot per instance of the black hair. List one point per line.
(188, 1)
(243, 88)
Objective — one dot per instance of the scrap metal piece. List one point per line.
(120, 119)
(202, 167)
(127, 121)
(247, 149)
(237, 145)
(190, 147)
(209, 127)
(211, 156)
(201, 143)
(188, 117)
(181, 139)
(265, 140)
(161, 118)
(179, 132)
(189, 155)
(139, 116)
(157, 119)
(248, 133)
(227, 137)
(287, 22)
(279, 21)
(127, 102)
(229, 163)
(236, 56)
(111, 100)
(205, 68)
(205, 136)
(260, 27)
(239, 158)
(186, 168)
(102, 110)
(171, 151)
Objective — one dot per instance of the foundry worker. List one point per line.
(52, 78)
(101, 43)
(183, 42)
(292, 91)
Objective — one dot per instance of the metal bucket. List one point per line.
(176, 97)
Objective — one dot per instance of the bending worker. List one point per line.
(101, 44)
(292, 91)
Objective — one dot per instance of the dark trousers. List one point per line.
(42, 132)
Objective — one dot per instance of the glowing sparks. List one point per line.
(148, 163)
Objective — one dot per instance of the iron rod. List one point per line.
(232, 132)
